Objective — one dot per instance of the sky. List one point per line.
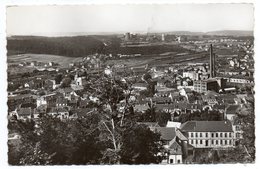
(66, 19)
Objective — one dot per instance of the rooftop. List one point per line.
(232, 109)
(207, 126)
(167, 133)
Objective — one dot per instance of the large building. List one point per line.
(127, 36)
(209, 134)
(202, 86)
(213, 84)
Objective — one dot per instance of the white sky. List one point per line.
(51, 20)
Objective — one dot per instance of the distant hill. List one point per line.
(231, 33)
(66, 46)
(78, 46)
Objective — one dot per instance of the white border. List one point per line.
(3, 66)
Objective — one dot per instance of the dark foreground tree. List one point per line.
(140, 146)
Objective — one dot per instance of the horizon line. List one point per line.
(69, 34)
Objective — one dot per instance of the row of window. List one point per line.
(213, 142)
(212, 135)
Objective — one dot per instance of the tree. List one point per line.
(162, 118)
(58, 79)
(140, 146)
(57, 142)
(66, 82)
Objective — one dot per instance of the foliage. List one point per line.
(66, 82)
(99, 138)
(140, 146)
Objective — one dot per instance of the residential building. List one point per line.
(209, 134)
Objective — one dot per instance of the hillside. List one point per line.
(79, 46)
(65, 46)
(231, 33)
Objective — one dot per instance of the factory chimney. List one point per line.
(212, 62)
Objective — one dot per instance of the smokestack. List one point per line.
(214, 61)
(211, 62)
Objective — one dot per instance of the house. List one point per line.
(50, 84)
(60, 113)
(61, 102)
(231, 112)
(178, 106)
(175, 153)
(24, 113)
(174, 143)
(141, 107)
(151, 125)
(162, 100)
(16, 100)
(210, 98)
(209, 134)
(226, 99)
(139, 86)
(83, 103)
(66, 92)
(161, 83)
(167, 134)
(173, 124)
(80, 112)
(237, 128)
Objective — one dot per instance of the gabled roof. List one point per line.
(139, 85)
(149, 124)
(173, 124)
(206, 126)
(174, 147)
(58, 110)
(167, 133)
(25, 111)
(232, 109)
(181, 136)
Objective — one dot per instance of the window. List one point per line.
(216, 142)
(225, 135)
(206, 134)
(212, 134)
(191, 135)
(200, 141)
(230, 135)
(216, 134)
(226, 142)
(237, 128)
(200, 134)
(212, 142)
(196, 135)
(171, 161)
(196, 141)
(221, 134)
(191, 141)
(220, 142)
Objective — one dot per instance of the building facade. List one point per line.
(209, 134)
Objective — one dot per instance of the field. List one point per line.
(62, 60)
(152, 60)
(161, 60)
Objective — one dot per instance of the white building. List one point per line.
(209, 134)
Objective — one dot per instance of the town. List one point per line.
(190, 105)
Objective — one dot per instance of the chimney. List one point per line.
(213, 65)
(211, 62)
